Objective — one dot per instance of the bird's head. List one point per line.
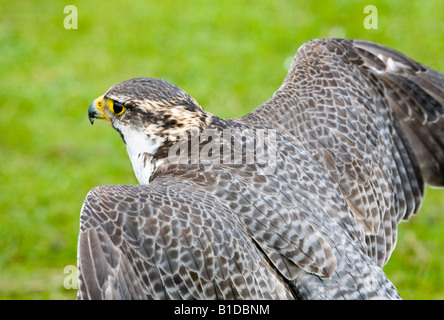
(149, 114)
(152, 107)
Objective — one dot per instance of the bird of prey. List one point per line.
(305, 203)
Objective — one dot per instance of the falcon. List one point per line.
(299, 199)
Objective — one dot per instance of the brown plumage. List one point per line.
(357, 131)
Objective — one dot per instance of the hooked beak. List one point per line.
(95, 110)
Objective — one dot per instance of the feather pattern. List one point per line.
(358, 131)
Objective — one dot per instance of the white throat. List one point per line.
(143, 166)
(141, 149)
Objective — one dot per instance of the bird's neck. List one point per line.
(147, 153)
(141, 150)
(144, 165)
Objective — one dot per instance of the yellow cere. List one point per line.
(99, 103)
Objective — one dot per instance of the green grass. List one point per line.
(229, 55)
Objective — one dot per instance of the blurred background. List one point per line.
(229, 55)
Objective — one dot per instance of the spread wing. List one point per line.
(168, 240)
(372, 118)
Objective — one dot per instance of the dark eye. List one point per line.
(118, 108)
